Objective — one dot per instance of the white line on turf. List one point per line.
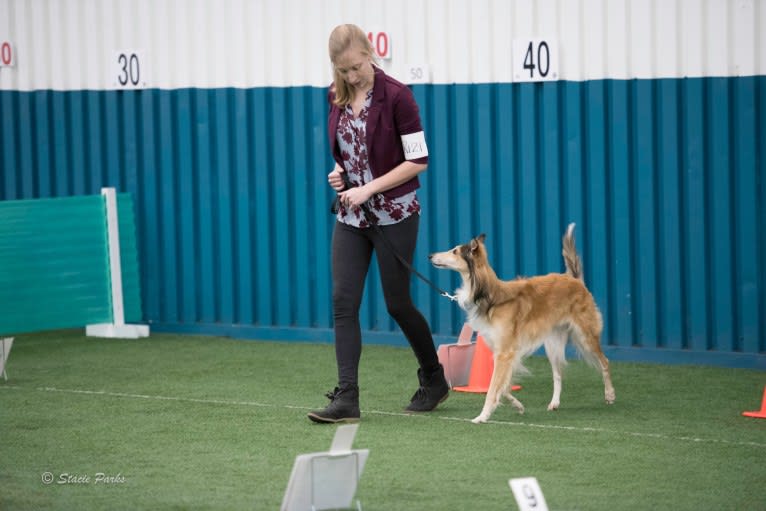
(582, 429)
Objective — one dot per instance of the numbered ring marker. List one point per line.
(381, 43)
(528, 494)
(535, 60)
(7, 54)
(128, 70)
(418, 73)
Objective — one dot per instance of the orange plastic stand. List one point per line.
(481, 369)
(759, 414)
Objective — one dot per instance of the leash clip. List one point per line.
(453, 298)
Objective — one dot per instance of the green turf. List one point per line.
(209, 423)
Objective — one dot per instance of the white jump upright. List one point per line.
(117, 329)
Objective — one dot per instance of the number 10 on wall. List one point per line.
(535, 60)
(7, 54)
(381, 43)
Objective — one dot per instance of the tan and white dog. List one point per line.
(516, 317)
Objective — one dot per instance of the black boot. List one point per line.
(343, 407)
(433, 390)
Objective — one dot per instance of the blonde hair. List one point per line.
(342, 38)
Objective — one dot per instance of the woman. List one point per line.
(377, 141)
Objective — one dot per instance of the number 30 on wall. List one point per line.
(128, 69)
(535, 60)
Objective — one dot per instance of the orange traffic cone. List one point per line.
(481, 369)
(760, 414)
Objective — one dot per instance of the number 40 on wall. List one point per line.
(535, 60)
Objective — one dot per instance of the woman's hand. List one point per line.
(352, 197)
(335, 179)
(356, 196)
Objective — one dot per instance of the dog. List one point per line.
(516, 317)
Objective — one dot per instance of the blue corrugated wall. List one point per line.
(663, 177)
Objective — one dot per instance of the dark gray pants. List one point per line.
(352, 250)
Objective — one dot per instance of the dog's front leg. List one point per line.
(501, 378)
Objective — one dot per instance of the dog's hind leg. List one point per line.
(608, 387)
(555, 349)
(501, 379)
(606, 375)
(588, 342)
(514, 402)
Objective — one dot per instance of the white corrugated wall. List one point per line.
(70, 45)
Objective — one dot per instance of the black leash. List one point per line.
(371, 219)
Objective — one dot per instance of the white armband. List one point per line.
(414, 145)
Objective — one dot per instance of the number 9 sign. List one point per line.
(528, 494)
(381, 43)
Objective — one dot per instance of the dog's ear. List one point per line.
(475, 242)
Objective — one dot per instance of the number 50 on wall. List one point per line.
(535, 60)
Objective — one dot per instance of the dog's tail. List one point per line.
(571, 259)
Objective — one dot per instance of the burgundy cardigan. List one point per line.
(393, 112)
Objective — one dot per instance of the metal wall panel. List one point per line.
(662, 177)
(260, 43)
(226, 158)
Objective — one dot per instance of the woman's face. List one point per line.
(356, 68)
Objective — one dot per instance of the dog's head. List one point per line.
(462, 258)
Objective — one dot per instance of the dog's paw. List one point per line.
(552, 407)
(609, 397)
(479, 420)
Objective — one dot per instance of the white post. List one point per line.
(117, 328)
(115, 263)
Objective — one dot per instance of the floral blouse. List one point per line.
(351, 137)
